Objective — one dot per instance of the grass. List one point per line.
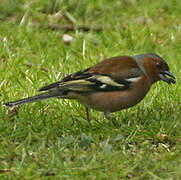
(52, 139)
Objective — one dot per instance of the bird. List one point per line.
(111, 85)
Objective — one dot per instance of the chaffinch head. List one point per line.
(114, 84)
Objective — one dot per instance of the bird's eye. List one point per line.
(158, 65)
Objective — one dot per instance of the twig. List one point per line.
(70, 27)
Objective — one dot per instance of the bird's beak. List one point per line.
(164, 74)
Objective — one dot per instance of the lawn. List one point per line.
(52, 139)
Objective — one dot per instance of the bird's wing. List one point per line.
(109, 75)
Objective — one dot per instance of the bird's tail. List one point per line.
(38, 97)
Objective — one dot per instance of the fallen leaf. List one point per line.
(164, 137)
(12, 110)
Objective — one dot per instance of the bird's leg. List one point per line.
(107, 115)
(87, 114)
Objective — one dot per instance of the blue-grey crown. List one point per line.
(138, 59)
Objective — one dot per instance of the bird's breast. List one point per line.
(116, 100)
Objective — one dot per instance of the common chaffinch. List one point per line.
(114, 84)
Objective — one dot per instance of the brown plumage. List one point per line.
(114, 84)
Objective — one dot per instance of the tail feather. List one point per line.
(38, 97)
